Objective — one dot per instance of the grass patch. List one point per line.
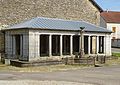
(112, 62)
(50, 68)
(116, 54)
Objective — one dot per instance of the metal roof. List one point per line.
(57, 24)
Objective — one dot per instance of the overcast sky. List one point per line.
(111, 5)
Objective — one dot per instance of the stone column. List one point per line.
(79, 43)
(14, 47)
(37, 45)
(82, 45)
(61, 45)
(105, 45)
(110, 53)
(10, 36)
(50, 45)
(26, 47)
(71, 44)
(97, 49)
(89, 45)
(21, 45)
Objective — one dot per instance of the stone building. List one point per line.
(15, 11)
(47, 38)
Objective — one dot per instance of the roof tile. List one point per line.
(111, 17)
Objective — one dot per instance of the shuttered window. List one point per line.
(113, 29)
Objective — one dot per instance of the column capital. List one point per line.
(89, 35)
(50, 34)
(61, 34)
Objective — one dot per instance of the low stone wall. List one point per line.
(82, 61)
(35, 63)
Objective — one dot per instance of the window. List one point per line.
(114, 29)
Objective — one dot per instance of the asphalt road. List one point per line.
(116, 50)
(97, 75)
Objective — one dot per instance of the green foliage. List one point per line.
(116, 54)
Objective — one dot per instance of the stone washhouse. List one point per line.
(49, 38)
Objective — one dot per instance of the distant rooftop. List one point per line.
(111, 16)
(57, 24)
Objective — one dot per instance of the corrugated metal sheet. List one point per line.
(57, 24)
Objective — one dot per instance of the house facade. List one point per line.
(111, 20)
(48, 38)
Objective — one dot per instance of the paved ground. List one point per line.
(98, 76)
(37, 82)
(116, 50)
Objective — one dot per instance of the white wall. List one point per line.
(117, 25)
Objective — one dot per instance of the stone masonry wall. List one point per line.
(15, 11)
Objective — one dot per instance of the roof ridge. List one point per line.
(59, 19)
(111, 11)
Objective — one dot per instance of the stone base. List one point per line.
(35, 63)
(7, 62)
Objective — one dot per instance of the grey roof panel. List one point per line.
(58, 24)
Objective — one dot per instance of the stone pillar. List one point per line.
(97, 49)
(14, 47)
(10, 41)
(37, 46)
(7, 41)
(26, 47)
(82, 45)
(71, 44)
(61, 45)
(79, 43)
(21, 45)
(105, 45)
(89, 45)
(110, 53)
(50, 45)
(7, 48)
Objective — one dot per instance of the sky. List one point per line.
(110, 5)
